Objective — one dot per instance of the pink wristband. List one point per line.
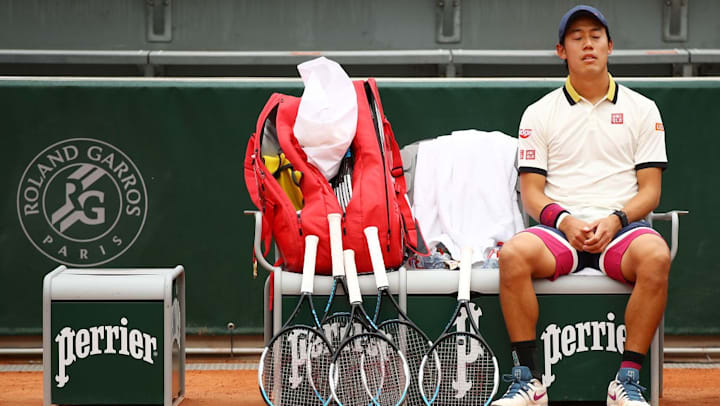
(550, 214)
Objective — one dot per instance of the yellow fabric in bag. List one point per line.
(287, 176)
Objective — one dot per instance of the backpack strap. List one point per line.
(413, 237)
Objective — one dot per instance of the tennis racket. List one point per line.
(405, 334)
(294, 366)
(460, 368)
(335, 323)
(377, 120)
(342, 182)
(367, 368)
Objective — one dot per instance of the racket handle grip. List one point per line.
(376, 257)
(465, 274)
(351, 276)
(311, 243)
(336, 247)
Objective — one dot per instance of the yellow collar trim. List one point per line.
(575, 96)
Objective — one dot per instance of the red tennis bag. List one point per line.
(378, 187)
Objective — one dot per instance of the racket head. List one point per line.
(294, 367)
(335, 327)
(459, 369)
(368, 369)
(414, 344)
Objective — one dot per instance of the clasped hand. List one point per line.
(590, 237)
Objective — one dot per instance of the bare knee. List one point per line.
(516, 258)
(653, 264)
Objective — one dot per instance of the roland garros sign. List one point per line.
(82, 202)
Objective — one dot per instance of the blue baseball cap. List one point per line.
(581, 9)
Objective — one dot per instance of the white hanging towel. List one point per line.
(327, 116)
(465, 191)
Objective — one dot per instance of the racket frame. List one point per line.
(463, 299)
(306, 291)
(358, 311)
(382, 283)
(308, 365)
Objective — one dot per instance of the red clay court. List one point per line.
(684, 384)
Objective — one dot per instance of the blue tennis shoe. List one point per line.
(524, 390)
(625, 389)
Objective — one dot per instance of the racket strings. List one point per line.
(414, 345)
(295, 368)
(459, 371)
(368, 371)
(335, 328)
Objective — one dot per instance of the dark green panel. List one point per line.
(99, 368)
(424, 110)
(187, 141)
(188, 138)
(565, 353)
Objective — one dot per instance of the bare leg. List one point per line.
(647, 263)
(522, 258)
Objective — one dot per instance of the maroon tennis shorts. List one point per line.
(569, 260)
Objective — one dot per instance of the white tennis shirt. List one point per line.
(589, 153)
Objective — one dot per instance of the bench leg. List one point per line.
(267, 314)
(277, 300)
(661, 350)
(402, 288)
(656, 355)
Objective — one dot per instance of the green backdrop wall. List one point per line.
(186, 141)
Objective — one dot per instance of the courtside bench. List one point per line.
(581, 318)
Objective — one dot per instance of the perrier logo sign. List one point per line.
(82, 202)
(76, 345)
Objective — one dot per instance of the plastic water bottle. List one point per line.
(490, 257)
(436, 260)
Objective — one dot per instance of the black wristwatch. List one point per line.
(622, 216)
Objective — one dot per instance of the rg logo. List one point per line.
(82, 202)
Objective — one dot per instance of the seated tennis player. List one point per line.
(591, 156)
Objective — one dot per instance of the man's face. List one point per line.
(586, 47)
